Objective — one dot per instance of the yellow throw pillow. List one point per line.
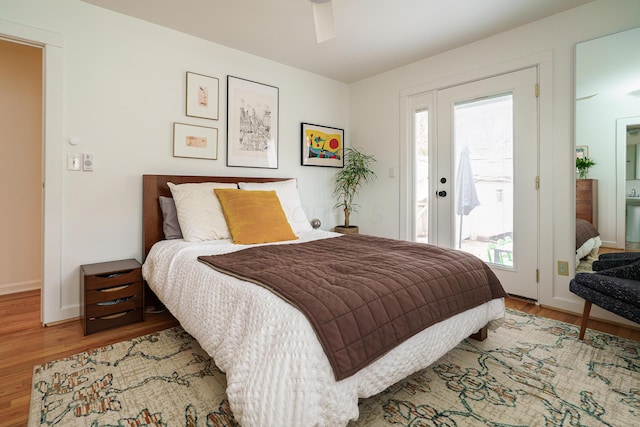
(254, 216)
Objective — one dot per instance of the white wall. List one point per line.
(375, 117)
(123, 88)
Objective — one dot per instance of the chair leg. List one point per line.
(585, 318)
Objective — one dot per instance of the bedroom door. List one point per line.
(486, 175)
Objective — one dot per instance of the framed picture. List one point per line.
(322, 145)
(582, 151)
(202, 96)
(198, 142)
(252, 124)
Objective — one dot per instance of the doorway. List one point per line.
(52, 44)
(475, 174)
(21, 166)
(628, 183)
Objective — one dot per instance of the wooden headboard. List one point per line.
(154, 186)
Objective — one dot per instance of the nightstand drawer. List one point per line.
(114, 293)
(106, 308)
(112, 279)
(113, 321)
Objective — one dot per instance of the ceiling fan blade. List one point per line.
(323, 20)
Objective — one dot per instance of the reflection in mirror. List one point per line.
(633, 154)
(607, 122)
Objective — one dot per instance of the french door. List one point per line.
(475, 177)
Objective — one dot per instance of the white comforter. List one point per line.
(277, 373)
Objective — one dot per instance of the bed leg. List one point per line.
(481, 335)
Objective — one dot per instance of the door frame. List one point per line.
(546, 247)
(621, 179)
(52, 309)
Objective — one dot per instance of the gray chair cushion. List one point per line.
(616, 290)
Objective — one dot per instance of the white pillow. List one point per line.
(199, 211)
(287, 192)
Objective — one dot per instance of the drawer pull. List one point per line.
(114, 301)
(117, 288)
(111, 316)
(112, 275)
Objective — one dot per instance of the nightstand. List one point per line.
(111, 295)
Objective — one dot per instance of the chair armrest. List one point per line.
(628, 271)
(631, 256)
(608, 263)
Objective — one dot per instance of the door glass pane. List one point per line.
(421, 138)
(483, 141)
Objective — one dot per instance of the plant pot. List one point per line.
(352, 229)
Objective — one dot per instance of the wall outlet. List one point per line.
(563, 268)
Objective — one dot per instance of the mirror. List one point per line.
(607, 121)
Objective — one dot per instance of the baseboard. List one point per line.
(624, 323)
(13, 288)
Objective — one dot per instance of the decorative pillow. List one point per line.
(287, 192)
(170, 224)
(254, 216)
(199, 212)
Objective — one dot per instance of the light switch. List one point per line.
(73, 162)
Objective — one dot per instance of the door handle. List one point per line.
(441, 193)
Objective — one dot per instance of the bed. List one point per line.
(277, 370)
(587, 240)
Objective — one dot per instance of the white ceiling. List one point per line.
(373, 36)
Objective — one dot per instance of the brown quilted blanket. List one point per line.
(584, 231)
(362, 294)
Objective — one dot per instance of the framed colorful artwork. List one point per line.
(322, 145)
(202, 96)
(198, 142)
(252, 124)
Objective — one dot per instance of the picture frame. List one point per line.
(252, 124)
(202, 96)
(196, 142)
(322, 145)
(582, 151)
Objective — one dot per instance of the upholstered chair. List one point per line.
(616, 290)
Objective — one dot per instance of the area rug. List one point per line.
(530, 371)
(585, 265)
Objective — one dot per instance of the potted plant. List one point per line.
(582, 165)
(356, 171)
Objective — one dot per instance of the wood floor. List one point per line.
(25, 343)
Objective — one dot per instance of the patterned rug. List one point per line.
(531, 371)
(585, 265)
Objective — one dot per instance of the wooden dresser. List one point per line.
(587, 200)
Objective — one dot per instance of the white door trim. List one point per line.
(621, 179)
(551, 292)
(52, 44)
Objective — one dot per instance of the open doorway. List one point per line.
(628, 143)
(21, 166)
